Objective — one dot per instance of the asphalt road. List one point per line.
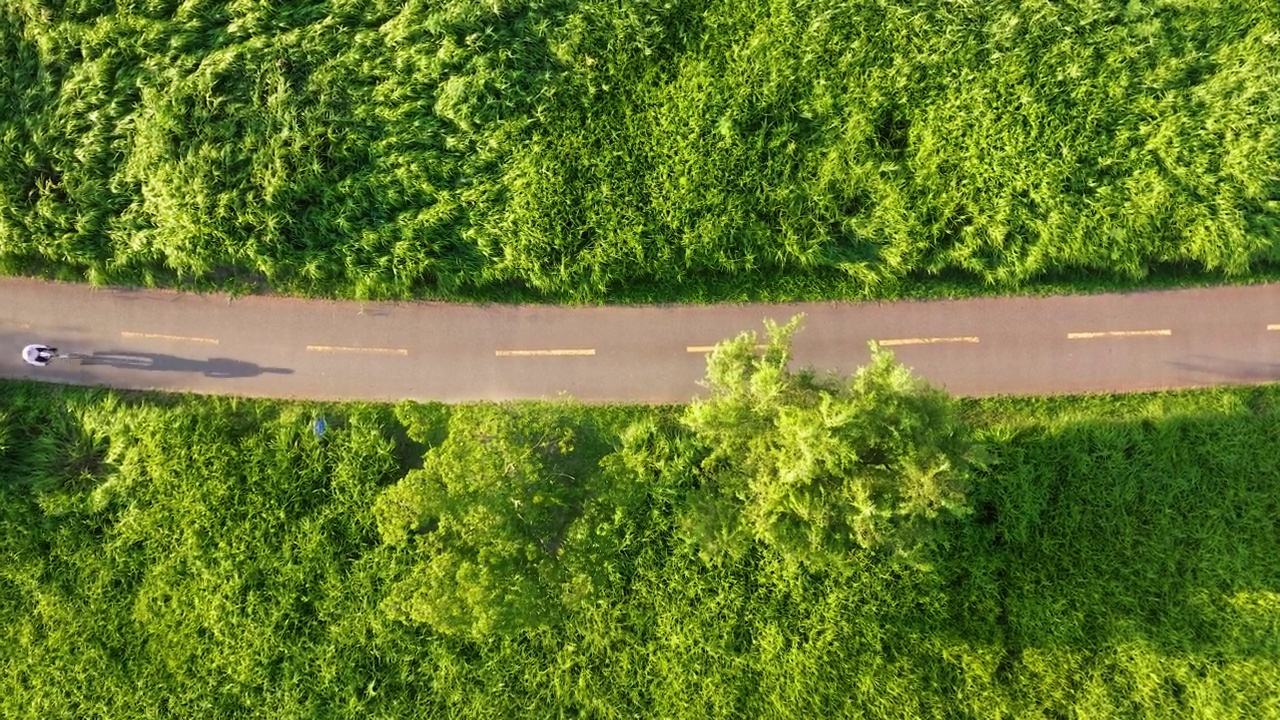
(284, 347)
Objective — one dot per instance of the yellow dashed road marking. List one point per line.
(545, 353)
(344, 348)
(161, 336)
(1116, 333)
(1273, 327)
(927, 341)
(709, 348)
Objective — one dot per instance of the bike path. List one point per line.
(295, 348)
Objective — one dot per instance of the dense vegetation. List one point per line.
(652, 149)
(200, 557)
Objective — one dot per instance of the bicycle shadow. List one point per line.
(157, 362)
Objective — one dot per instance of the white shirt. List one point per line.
(31, 354)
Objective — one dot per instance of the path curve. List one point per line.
(288, 347)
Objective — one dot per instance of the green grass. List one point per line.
(587, 150)
(198, 557)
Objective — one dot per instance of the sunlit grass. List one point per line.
(656, 150)
(197, 557)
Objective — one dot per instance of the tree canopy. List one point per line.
(486, 513)
(505, 535)
(818, 467)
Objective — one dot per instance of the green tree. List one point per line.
(819, 467)
(487, 516)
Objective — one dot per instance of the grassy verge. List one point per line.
(198, 557)
(658, 150)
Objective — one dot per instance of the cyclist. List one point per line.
(39, 355)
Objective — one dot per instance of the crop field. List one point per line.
(667, 150)
(198, 557)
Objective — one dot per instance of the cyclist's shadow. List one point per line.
(156, 362)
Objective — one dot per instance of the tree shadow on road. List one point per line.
(213, 367)
(1232, 369)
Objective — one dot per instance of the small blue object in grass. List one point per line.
(319, 426)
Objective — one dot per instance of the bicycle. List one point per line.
(42, 355)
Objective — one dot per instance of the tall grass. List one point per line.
(197, 557)
(673, 150)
